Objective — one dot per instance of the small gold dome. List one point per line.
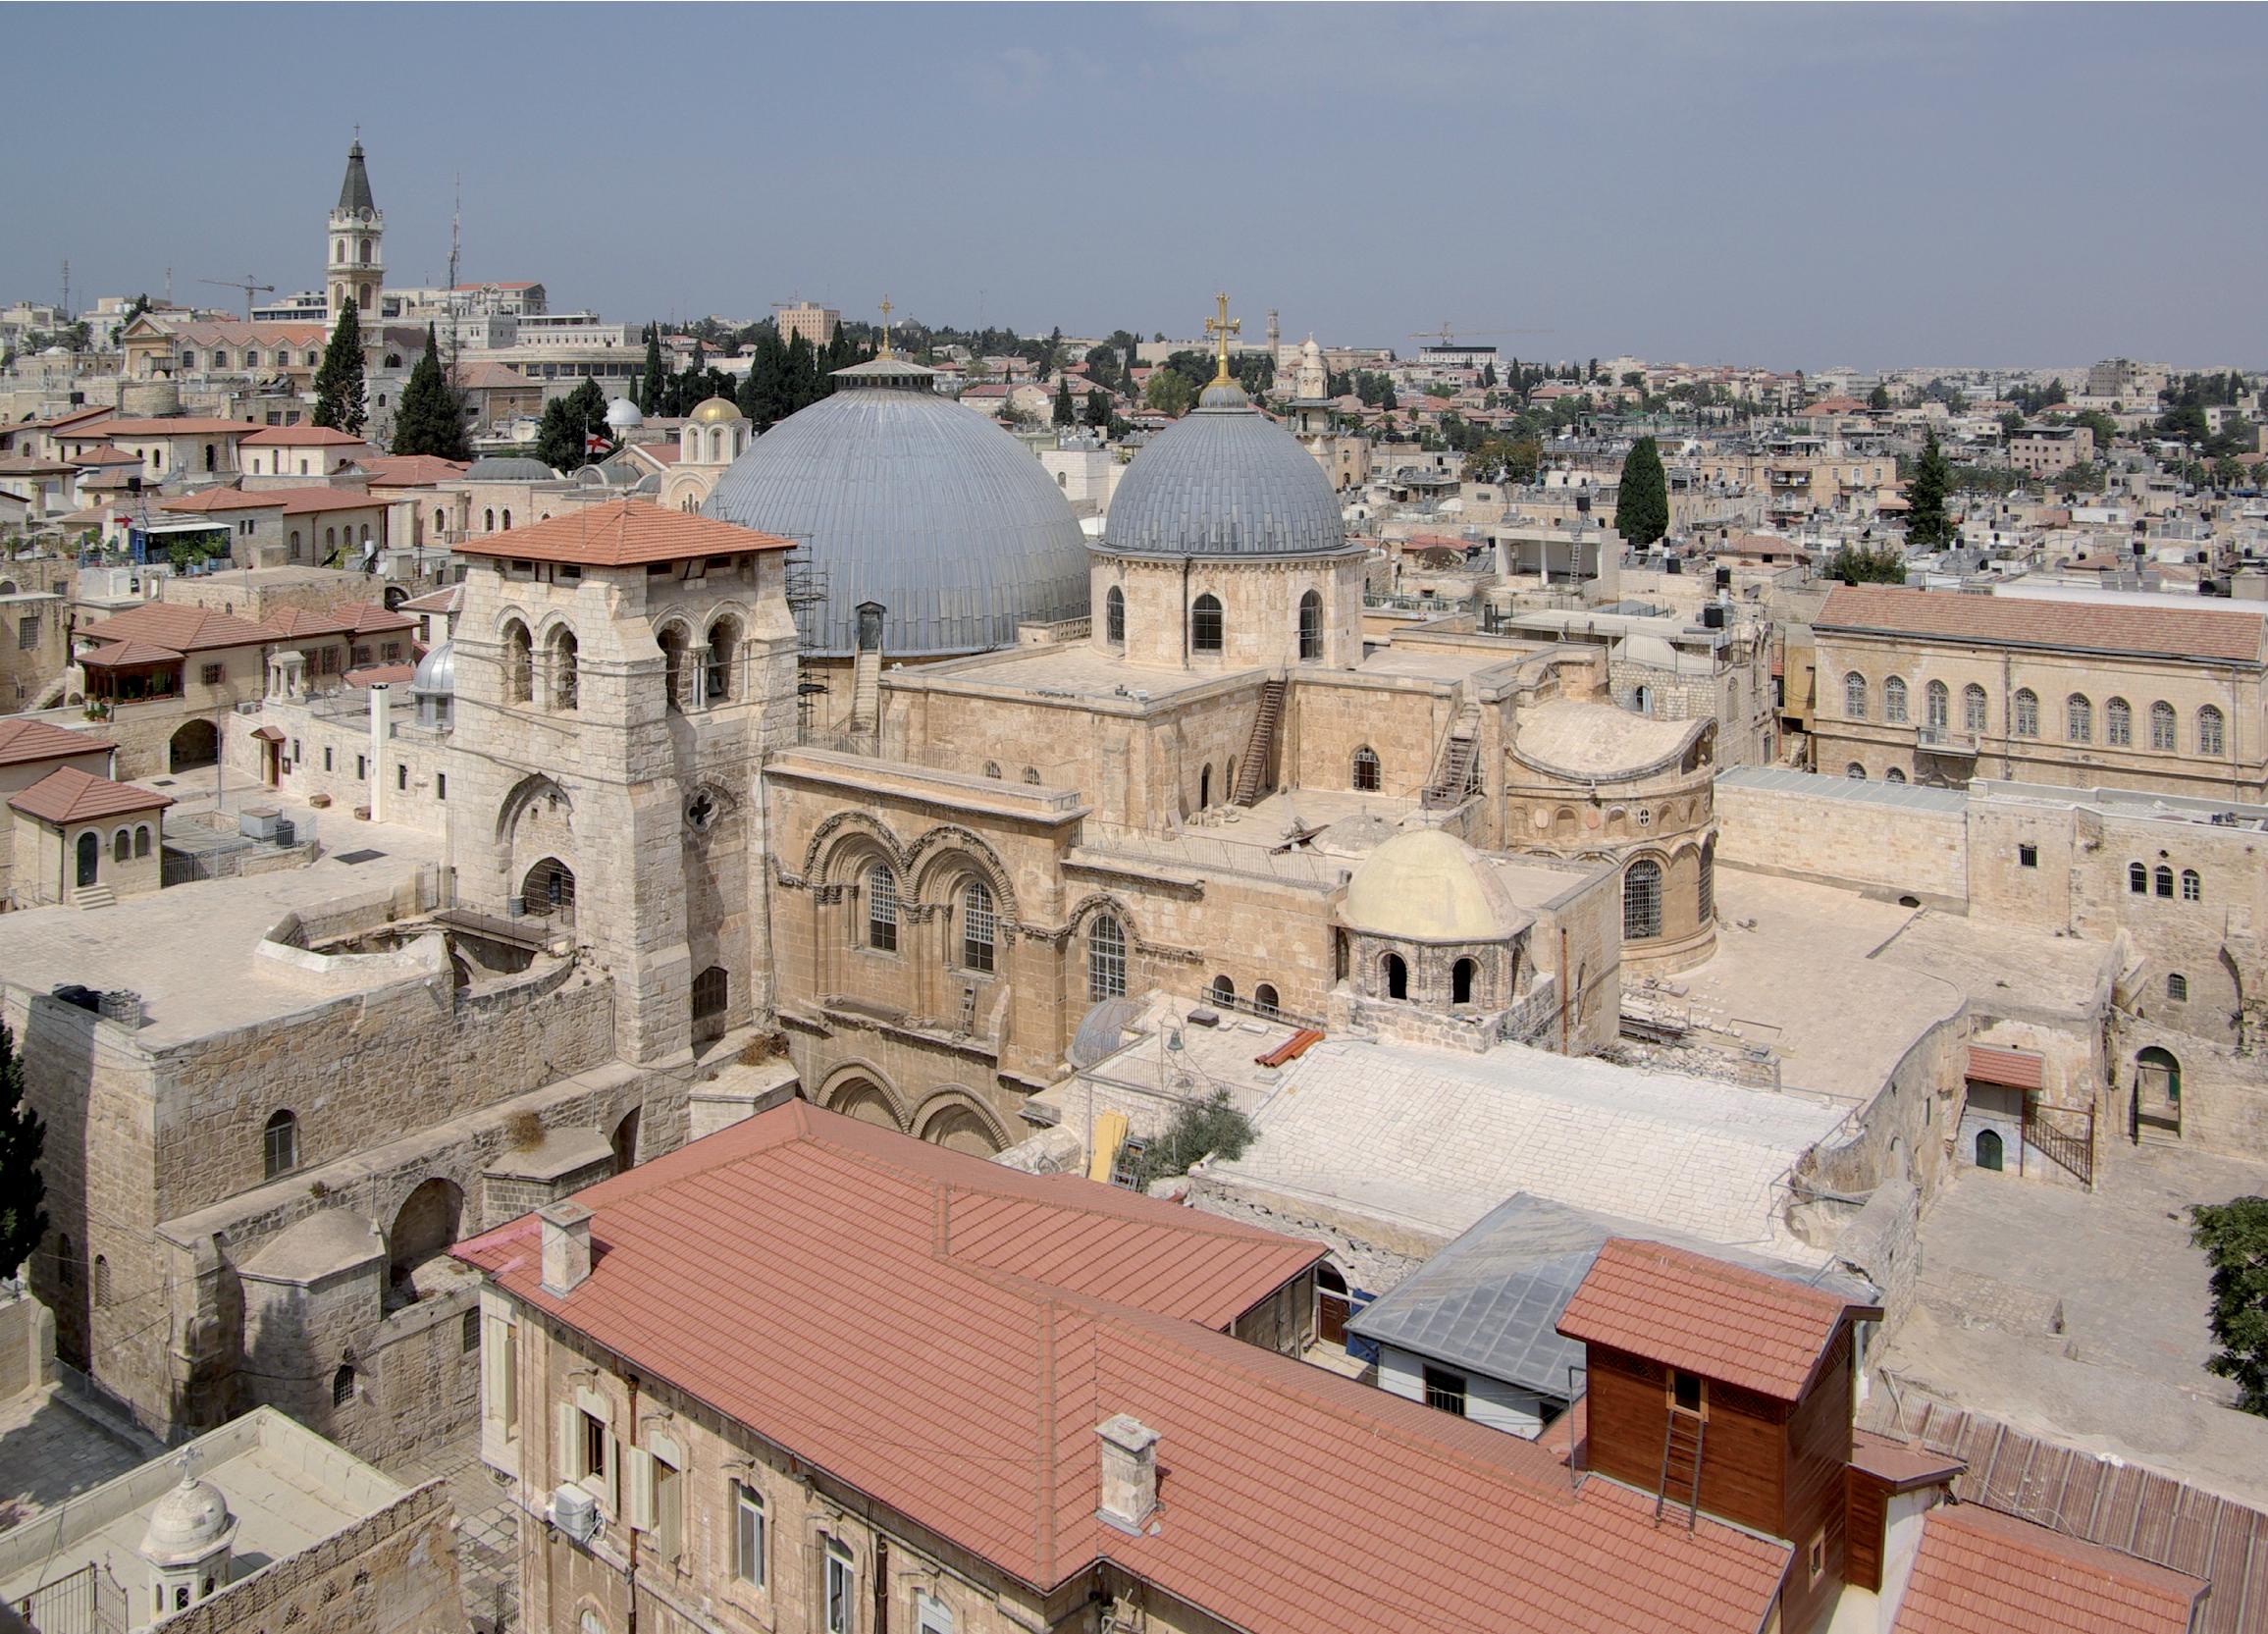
(716, 411)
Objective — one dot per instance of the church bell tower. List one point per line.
(355, 268)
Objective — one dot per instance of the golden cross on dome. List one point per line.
(1221, 327)
(885, 352)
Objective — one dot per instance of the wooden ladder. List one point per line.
(1681, 1464)
(1252, 769)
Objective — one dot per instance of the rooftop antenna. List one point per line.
(67, 291)
(455, 215)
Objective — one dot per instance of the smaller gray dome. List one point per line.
(510, 468)
(188, 1522)
(1224, 481)
(435, 672)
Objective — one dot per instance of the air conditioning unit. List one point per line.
(575, 1512)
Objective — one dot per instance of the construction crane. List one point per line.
(244, 284)
(1447, 333)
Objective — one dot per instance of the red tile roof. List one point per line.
(370, 675)
(183, 629)
(352, 618)
(944, 1335)
(24, 740)
(70, 795)
(184, 426)
(304, 501)
(125, 655)
(447, 599)
(1721, 1321)
(302, 436)
(1979, 1572)
(102, 453)
(409, 470)
(224, 498)
(1898, 1465)
(623, 533)
(2015, 1069)
(2177, 632)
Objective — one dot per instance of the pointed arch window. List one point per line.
(519, 663)
(1894, 700)
(2209, 734)
(2163, 730)
(2026, 713)
(1937, 705)
(1855, 696)
(1366, 771)
(2079, 718)
(1972, 707)
(2118, 723)
(723, 661)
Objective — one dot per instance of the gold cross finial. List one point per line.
(885, 352)
(1221, 327)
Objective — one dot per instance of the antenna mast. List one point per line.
(455, 332)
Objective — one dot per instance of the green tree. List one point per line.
(1488, 377)
(2105, 429)
(650, 378)
(2235, 1238)
(2227, 472)
(1199, 1129)
(801, 369)
(2082, 478)
(1064, 415)
(1861, 563)
(1170, 392)
(1878, 400)
(562, 439)
(1642, 503)
(1386, 398)
(1097, 409)
(2010, 422)
(1927, 522)
(338, 400)
(431, 418)
(22, 1221)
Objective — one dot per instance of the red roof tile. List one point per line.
(2015, 1069)
(184, 426)
(1900, 1466)
(944, 1335)
(409, 470)
(1979, 1572)
(302, 436)
(2010, 622)
(24, 740)
(351, 618)
(447, 599)
(1721, 1321)
(623, 533)
(224, 498)
(70, 795)
(183, 629)
(125, 655)
(370, 675)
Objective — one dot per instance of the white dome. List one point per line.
(1427, 885)
(189, 1521)
(622, 414)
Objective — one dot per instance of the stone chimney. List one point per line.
(566, 1230)
(1130, 1473)
(380, 731)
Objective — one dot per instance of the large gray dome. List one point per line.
(903, 497)
(1224, 481)
(510, 468)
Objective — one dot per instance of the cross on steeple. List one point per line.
(1220, 329)
(885, 352)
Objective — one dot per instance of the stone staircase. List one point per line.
(93, 896)
(1252, 769)
(1457, 769)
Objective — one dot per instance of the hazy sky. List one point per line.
(1785, 186)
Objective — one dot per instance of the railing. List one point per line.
(1946, 739)
(2073, 1149)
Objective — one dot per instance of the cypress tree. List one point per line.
(1927, 523)
(1642, 503)
(430, 421)
(22, 1221)
(649, 381)
(1064, 415)
(802, 373)
(338, 399)
(1097, 409)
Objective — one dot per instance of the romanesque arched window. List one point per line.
(1460, 981)
(280, 1146)
(2209, 734)
(978, 927)
(1855, 696)
(1105, 958)
(1208, 632)
(2026, 713)
(1894, 700)
(2118, 723)
(1114, 617)
(1366, 771)
(1972, 707)
(2163, 879)
(2193, 887)
(2163, 731)
(1394, 974)
(1310, 627)
(1642, 901)
(881, 908)
(2137, 878)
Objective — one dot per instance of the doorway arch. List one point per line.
(1989, 1151)
(1396, 973)
(90, 858)
(550, 891)
(424, 1226)
(196, 743)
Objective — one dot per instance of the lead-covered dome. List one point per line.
(902, 498)
(510, 468)
(188, 1524)
(1224, 481)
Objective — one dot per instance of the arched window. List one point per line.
(2178, 988)
(565, 651)
(280, 1145)
(991, 769)
(1114, 617)
(881, 908)
(2163, 732)
(1105, 958)
(1642, 901)
(1705, 897)
(1939, 704)
(1205, 788)
(2163, 879)
(979, 925)
(1393, 971)
(1855, 772)
(519, 663)
(1893, 775)
(2192, 888)
(712, 992)
(2077, 718)
(1264, 999)
(2209, 734)
(440, 520)
(1310, 627)
(488, 521)
(1366, 776)
(507, 521)
(1222, 991)
(1973, 704)
(122, 845)
(2137, 878)
(1855, 696)
(2026, 713)
(2158, 1075)
(1031, 775)
(1894, 700)
(672, 644)
(2118, 723)
(101, 1283)
(343, 1385)
(1460, 981)
(723, 661)
(1208, 633)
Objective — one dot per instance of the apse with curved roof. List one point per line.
(904, 498)
(1224, 481)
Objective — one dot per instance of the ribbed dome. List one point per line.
(510, 468)
(435, 672)
(907, 499)
(1224, 481)
(186, 1522)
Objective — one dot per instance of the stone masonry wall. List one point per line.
(393, 1572)
(1881, 849)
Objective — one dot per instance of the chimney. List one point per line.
(566, 1246)
(381, 729)
(1130, 1473)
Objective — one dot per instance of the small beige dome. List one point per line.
(1428, 885)
(716, 411)
(189, 1521)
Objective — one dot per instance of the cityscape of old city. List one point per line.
(1108, 820)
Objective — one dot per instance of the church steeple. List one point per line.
(354, 270)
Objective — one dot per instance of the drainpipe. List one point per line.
(381, 729)
(630, 1577)
(1185, 612)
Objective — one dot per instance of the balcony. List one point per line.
(1945, 740)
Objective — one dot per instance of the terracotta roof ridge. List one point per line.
(1200, 1222)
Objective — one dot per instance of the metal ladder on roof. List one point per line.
(1252, 769)
(1457, 769)
(1681, 1443)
